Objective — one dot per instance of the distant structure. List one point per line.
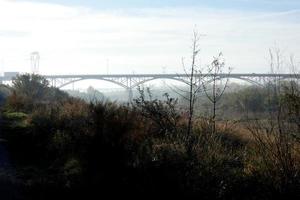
(35, 62)
(131, 81)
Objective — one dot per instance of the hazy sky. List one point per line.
(139, 36)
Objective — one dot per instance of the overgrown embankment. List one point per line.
(63, 147)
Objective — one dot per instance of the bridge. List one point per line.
(130, 81)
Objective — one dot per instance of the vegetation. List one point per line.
(64, 147)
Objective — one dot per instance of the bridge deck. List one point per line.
(233, 75)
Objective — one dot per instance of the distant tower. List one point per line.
(35, 62)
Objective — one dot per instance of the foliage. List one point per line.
(31, 90)
(30, 85)
(4, 93)
(276, 137)
(68, 148)
(163, 114)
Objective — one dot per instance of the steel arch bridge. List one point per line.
(130, 81)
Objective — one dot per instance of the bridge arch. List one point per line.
(160, 78)
(210, 81)
(101, 79)
(239, 78)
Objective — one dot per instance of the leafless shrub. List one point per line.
(275, 143)
(217, 88)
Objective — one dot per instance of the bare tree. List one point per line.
(194, 78)
(216, 89)
(193, 87)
